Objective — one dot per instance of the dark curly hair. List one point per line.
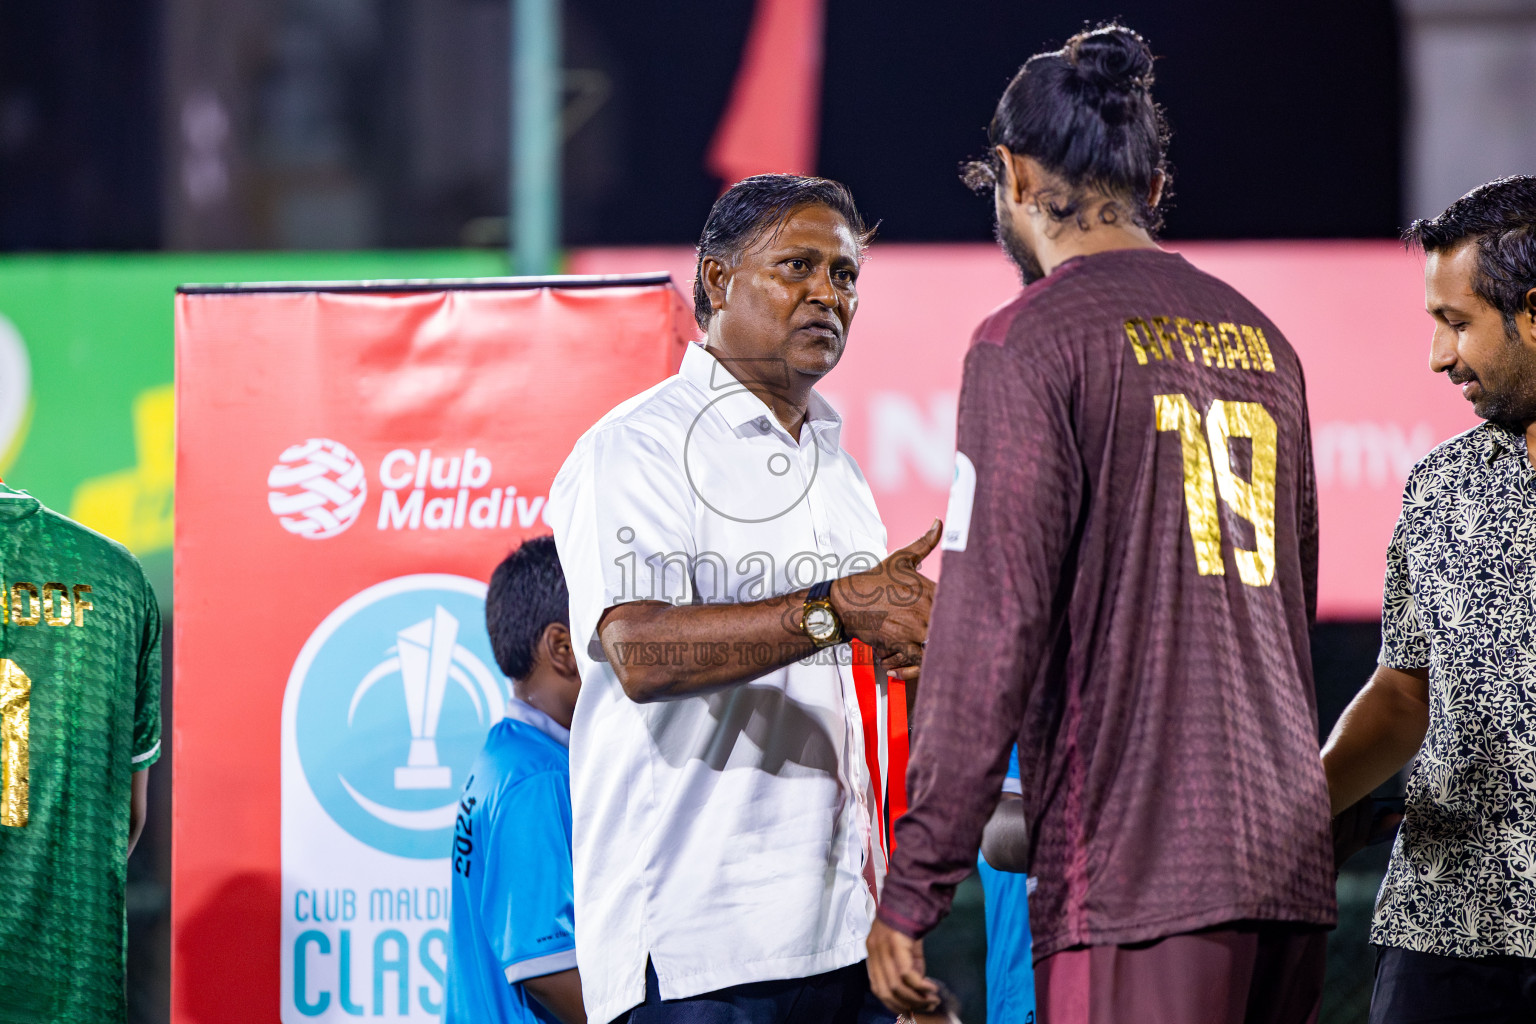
(748, 208)
(1501, 218)
(1085, 112)
(526, 594)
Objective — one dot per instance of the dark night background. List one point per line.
(1286, 119)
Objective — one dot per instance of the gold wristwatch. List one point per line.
(819, 620)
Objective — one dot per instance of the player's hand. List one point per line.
(888, 606)
(896, 971)
(1366, 822)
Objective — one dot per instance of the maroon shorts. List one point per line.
(1243, 973)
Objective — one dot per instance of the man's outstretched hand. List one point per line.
(896, 971)
(888, 606)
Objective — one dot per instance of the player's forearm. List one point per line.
(1005, 840)
(935, 851)
(1380, 731)
(560, 994)
(990, 626)
(138, 807)
(964, 725)
(663, 652)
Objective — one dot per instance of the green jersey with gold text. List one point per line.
(79, 713)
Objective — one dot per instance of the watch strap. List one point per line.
(820, 592)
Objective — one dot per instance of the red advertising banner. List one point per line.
(1354, 311)
(352, 462)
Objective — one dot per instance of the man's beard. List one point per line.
(1018, 250)
(1509, 388)
(1512, 412)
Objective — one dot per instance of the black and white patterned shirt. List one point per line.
(1461, 599)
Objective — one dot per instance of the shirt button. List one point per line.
(762, 424)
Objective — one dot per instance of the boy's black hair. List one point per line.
(526, 594)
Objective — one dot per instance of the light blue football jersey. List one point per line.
(513, 916)
(1010, 967)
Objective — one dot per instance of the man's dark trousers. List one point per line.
(1426, 988)
(837, 997)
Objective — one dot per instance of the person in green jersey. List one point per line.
(79, 726)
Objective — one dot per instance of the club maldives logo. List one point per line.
(394, 696)
(317, 488)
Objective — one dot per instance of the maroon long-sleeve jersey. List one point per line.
(1130, 571)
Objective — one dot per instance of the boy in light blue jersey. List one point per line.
(512, 934)
(1010, 968)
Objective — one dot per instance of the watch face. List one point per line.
(820, 622)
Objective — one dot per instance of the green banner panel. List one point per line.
(86, 356)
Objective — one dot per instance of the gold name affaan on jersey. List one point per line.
(1228, 346)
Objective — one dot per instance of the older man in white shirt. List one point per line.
(721, 548)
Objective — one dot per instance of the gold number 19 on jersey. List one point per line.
(15, 712)
(1208, 470)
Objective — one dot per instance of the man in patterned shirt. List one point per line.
(1456, 919)
(79, 727)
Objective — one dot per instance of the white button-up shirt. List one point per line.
(727, 837)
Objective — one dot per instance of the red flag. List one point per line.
(770, 123)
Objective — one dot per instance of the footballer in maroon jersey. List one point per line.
(1129, 577)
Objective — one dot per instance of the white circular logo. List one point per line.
(390, 700)
(317, 488)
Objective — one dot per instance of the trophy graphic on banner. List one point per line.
(426, 654)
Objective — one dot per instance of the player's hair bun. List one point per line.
(1086, 113)
(1115, 64)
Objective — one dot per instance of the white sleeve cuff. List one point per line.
(550, 963)
(1013, 786)
(151, 752)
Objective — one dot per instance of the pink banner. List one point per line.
(1353, 311)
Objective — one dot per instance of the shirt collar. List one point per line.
(16, 504)
(522, 711)
(743, 411)
(1495, 440)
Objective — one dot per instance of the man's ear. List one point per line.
(715, 276)
(1155, 193)
(555, 645)
(1015, 182)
